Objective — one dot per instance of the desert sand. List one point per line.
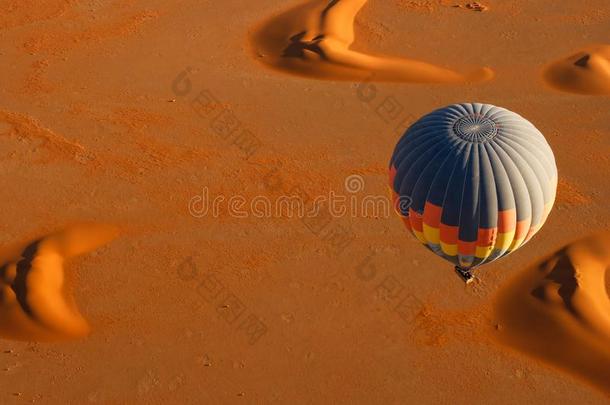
(123, 112)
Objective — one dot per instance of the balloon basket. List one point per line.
(464, 274)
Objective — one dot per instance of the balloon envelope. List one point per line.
(473, 182)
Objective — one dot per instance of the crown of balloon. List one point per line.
(475, 128)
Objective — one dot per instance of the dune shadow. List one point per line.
(562, 274)
(558, 311)
(298, 46)
(23, 268)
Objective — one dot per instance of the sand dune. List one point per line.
(314, 39)
(559, 310)
(33, 305)
(585, 72)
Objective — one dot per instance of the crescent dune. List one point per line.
(33, 303)
(314, 39)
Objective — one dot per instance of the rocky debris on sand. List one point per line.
(474, 6)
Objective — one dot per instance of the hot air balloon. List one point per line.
(473, 183)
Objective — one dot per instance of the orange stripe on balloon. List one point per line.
(487, 237)
(407, 223)
(432, 215)
(416, 220)
(507, 221)
(522, 229)
(467, 248)
(449, 234)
